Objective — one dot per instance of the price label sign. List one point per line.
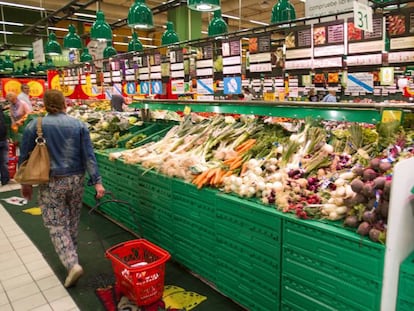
(363, 16)
(391, 116)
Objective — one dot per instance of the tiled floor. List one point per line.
(26, 282)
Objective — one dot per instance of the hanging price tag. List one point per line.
(362, 16)
(187, 110)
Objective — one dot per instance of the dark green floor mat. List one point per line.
(97, 234)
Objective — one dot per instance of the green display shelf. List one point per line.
(353, 112)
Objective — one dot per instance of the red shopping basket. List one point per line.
(139, 268)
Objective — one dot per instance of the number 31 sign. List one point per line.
(362, 16)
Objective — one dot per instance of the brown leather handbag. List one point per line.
(35, 170)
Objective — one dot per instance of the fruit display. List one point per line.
(339, 172)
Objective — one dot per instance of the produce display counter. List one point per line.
(256, 255)
(261, 258)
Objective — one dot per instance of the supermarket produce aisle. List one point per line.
(26, 280)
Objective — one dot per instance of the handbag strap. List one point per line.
(40, 140)
(39, 127)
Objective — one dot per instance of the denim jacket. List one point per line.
(69, 144)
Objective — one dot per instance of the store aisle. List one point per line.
(26, 280)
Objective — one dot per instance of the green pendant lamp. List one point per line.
(72, 40)
(109, 51)
(169, 37)
(204, 5)
(135, 45)
(8, 64)
(40, 69)
(18, 71)
(85, 56)
(101, 30)
(25, 71)
(49, 64)
(32, 69)
(140, 16)
(30, 55)
(52, 46)
(217, 26)
(283, 11)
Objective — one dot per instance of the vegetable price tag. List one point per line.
(187, 110)
(391, 116)
(363, 16)
(269, 96)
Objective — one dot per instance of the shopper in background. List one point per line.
(4, 150)
(330, 97)
(18, 109)
(24, 95)
(118, 102)
(247, 94)
(71, 156)
(312, 96)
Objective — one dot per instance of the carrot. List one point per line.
(231, 160)
(244, 169)
(236, 164)
(219, 177)
(200, 177)
(226, 174)
(247, 146)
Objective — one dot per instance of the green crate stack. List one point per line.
(405, 299)
(194, 228)
(248, 252)
(321, 261)
(155, 195)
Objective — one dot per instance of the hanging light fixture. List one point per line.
(204, 5)
(18, 71)
(169, 36)
(135, 45)
(109, 51)
(101, 30)
(52, 46)
(25, 71)
(30, 55)
(40, 69)
(8, 64)
(32, 69)
(85, 56)
(72, 39)
(218, 25)
(49, 64)
(283, 11)
(140, 16)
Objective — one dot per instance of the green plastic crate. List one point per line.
(196, 257)
(329, 283)
(337, 246)
(191, 230)
(249, 224)
(293, 256)
(251, 291)
(405, 299)
(267, 268)
(302, 296)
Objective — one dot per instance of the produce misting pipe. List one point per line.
(4, 25)
(240, 17)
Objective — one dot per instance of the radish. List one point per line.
(351, 221)
(363, 228)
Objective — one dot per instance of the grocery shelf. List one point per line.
(341, 111)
